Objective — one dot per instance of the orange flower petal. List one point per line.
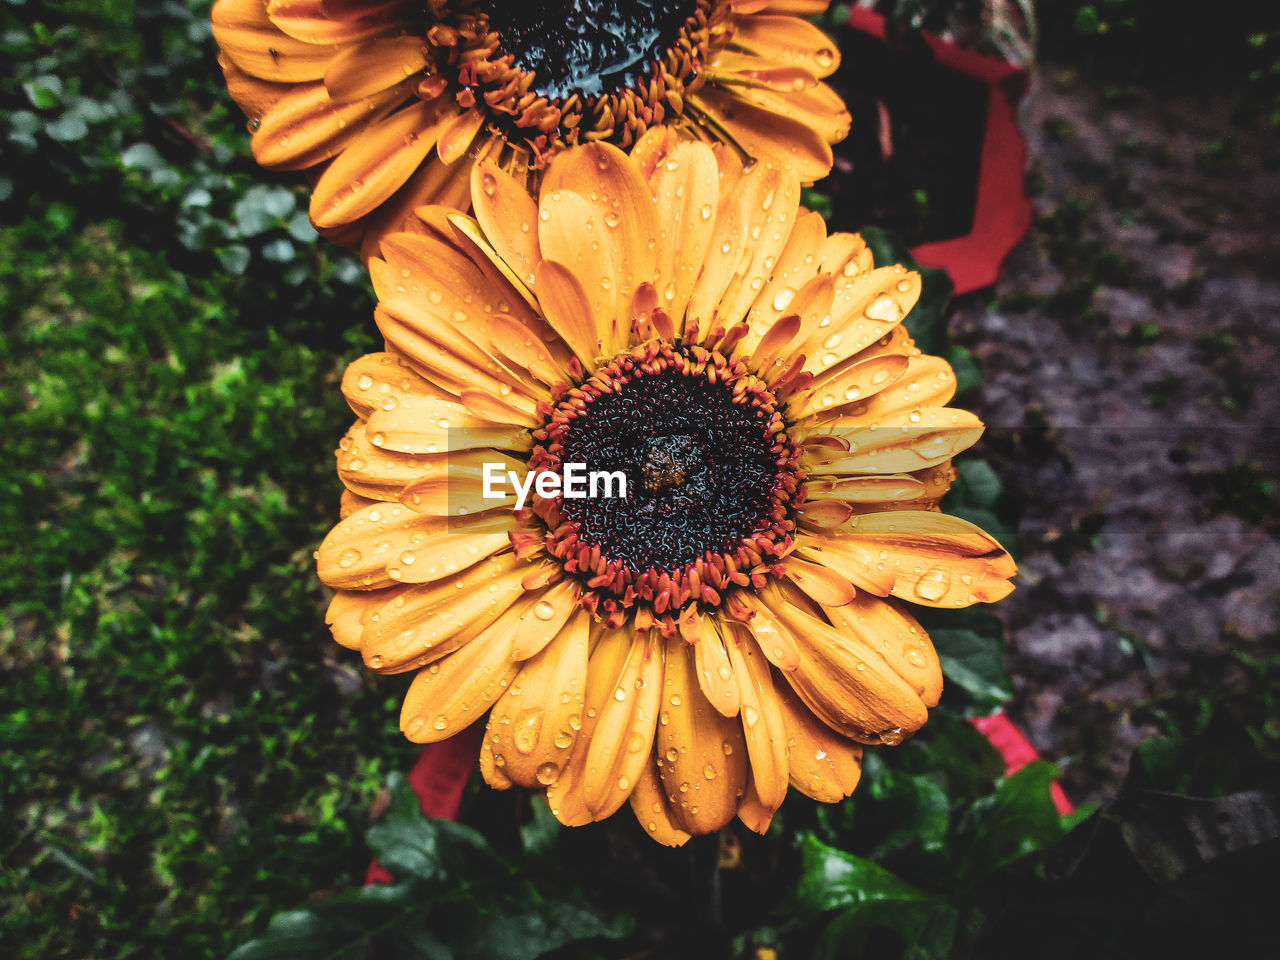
(453, 484)
(509, 218)
(765, 135)
(461, 687)
(458, 135)
(786, 40)
(609, 653)
(377, 164)
(715, 673)
(848, 384)
(899, 442)
(373, 65)
(649, 804)
(846, 683)
(752, 227)
(685, 187)
(382, 545)
(622, 743)
(569, 310)
(306, 20)
(762, 723)
(820, 763)
(373, 381)
(622, 223)
(533, 725)
(821, 583)
(307, 126)
(797, 265)
(371, 472)
(866, 307)
(927, 382)
(702, 757)
(431, 621)
(254, 44)
(554, 608)
(856, 561)
(894, 634)
(938, 560)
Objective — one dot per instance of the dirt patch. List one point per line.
(1131, 397)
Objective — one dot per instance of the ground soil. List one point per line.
(1130, 350)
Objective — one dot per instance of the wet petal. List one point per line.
(306, 126)
(533, 726)
(623, 740)
(382, 545)
(820, 763)
(374, 65)
(702, 757)
(257, 46)
(649, 804)
(446, 697)
(762, 723)
(686, 188)
(938, 560)
(377, 164)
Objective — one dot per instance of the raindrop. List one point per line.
(547, 774)
(524, 733)
(934, 584)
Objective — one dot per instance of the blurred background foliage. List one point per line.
(186, 753)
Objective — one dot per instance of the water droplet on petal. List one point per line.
(934, 584)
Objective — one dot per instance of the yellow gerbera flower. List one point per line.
(737, 621)
(388, 103)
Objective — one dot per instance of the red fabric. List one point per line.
(1002, 212)
(438, 778)
(1012, 744)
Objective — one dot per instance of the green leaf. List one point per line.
(1018, 819)
(66, 129)
(539, 835)
(831, 878)
(44, 92)
(923, 930)
(529, 926)
(409, 844)
(976, 485)
(921, 807)
(970, 645)
(142, 156)
(968, 370)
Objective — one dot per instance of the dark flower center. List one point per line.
(580, 46)
(699, 468)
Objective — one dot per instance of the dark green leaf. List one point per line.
(1018, 819)
(916, 930)
(831, 878)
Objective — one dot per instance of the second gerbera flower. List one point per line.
(738, 621)
(389, 102)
